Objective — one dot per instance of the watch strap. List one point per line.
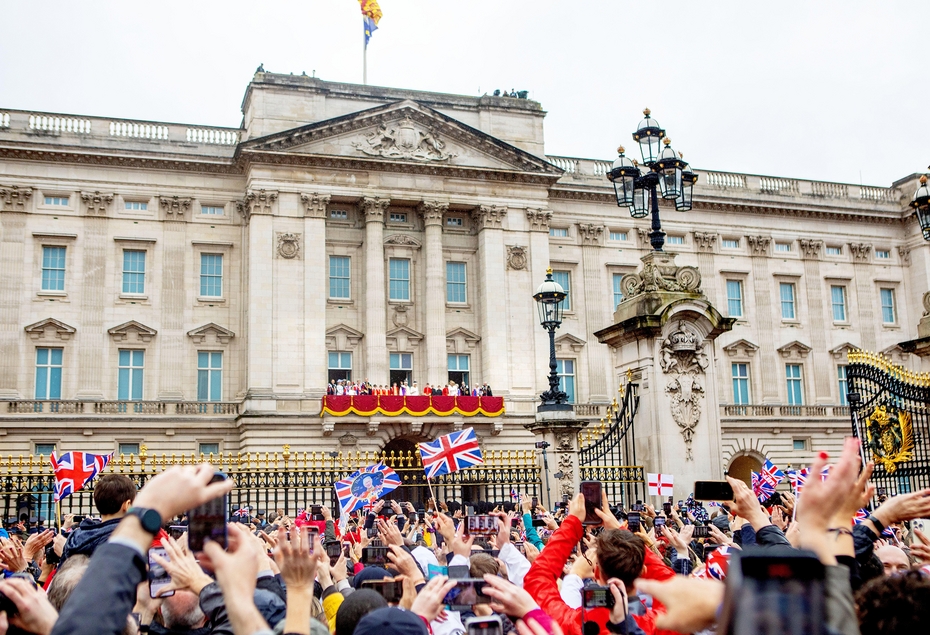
(878, 524)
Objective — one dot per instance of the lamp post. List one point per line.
(668, 174)
(921, 203)
(549, 300)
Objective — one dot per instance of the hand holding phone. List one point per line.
(158, 577)
(591, 490)
(208, 521)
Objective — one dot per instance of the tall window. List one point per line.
(740, 383)
(458, 369)
(133, 271)
(131, 368)
(209, 376)
(838, 300)
(401, 368)
(340, 365)
(48, 373)
(786, 290)
(564, 278)
(888, 310)
(399, 279)
(211, 275)
(843, 384)
(455, 282)
(53, 268)
(566, 371)
(618, 292)
(339, 277)
(735, 298)
(795, 384)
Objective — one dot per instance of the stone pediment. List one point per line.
(127, 330)
(49, 328)
(741, 348)
(402, 339)
(342, 338)
(794, 350)
(569, 342)
(460, 340)
(222, 335)
(896, 354)
(839, 353)
(407, 132)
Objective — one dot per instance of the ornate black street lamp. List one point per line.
(668, 174)
(550, 298)
(921, 203)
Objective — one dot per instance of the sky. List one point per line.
(812, 89)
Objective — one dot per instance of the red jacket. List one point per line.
(541, 583)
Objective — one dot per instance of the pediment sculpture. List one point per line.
(404, 141)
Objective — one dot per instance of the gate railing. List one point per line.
(890, 412)
(608, 450)
(272, 481)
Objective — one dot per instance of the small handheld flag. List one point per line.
(450, 453)
(74, 470)
(660, 484)
(766, 480)
(364, 486)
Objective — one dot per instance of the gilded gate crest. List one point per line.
(890, 437)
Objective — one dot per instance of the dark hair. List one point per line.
(111, 491)
(894, 604)
(356, 606)
(869, 570)
(620, 554)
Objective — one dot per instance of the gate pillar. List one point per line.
(557, 450)
(663, 336)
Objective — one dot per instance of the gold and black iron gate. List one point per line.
(276, 481)
(890, 410)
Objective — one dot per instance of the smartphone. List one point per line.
(208, 521)
(774, 590)
(636, 507)
(481, 525)
(312, 534)
(633, 522)
(535, 503)
(391, 590)
(374, 556)
(316, 512)
(489, 625)
(591, 490)
(922, 524)
(667, 508)
(701, 531)
(157, 576)
(372, 532)
(77, 519)
(519, 544)
(594, 597)
(333, 550)
(466, 592)
(459, 571)
(539, 522)
(713, 491)
(346, 548)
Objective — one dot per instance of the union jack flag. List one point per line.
(74, 470)
(801, 478)
(242, 511)
(514, 494)
(718, 562)
(860, 516)
(365, 486)
(450, 453)
(766, 480)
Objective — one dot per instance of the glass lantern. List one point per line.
(649, 136)
(688, 179)
(921, 203)
(669, 167)
(623, 175)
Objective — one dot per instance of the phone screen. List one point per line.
(490, 625)
(535, 503)
(467, 592)
(333, 550)
(593, 597)
(667, 508)
(374, 556)
(390, 590)
(632, 520)
(208, 521)
(591, 490)
(713, 491)
(157, 576)
(481, 525)
(701, 531)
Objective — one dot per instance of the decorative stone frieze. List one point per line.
(257, 202)
(13, 198)
(315, 204)
(758, 245)
(905, 254)
(404, 141)
(684, 361)
(811, 249)
(705, 241)
(402, 239)
(372, 208)
(660, 273)
(96, 203)
(174, 207)
(539, 219)
(860, 251)
(591, 234)
(516, 257)
(488, 217)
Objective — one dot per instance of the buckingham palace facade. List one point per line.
(194, 289)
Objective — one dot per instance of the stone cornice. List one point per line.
(175, 162)
(315, 204)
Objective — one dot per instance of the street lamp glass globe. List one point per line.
(649, 135)
(549, 301)
(921, 203)
(669, 167)
(640, 206)
(688, 179)
(623, 175)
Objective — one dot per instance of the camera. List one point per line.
(542, 445)
(593, 597)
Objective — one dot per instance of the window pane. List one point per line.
(54, 382)
(399, 283)
(455, 282)
(137, 383)
(128, 448)
(45, 449)
(794, 384)
(564, 279)
(211, 275)
(888, 309)
(133, 271)
(565, 368)
(618, 293)
(53, 268)
(209, 448)
(203, 385)
(339, 277)
(735, 298)
(799, 444)
(838, 299)
(123, 388)
(843, 385)
(787, 300)
(41, 381)
(740, 374)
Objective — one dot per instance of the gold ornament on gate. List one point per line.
(890, 436)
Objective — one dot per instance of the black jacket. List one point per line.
(102, 600)
(87, 537)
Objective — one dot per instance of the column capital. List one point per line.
(14, 198)
(257, 202)
(860, 251)
(759, 245)
(314, 204)
(373, 208)
(488, 216)
(705, 241)
(591, 234)
(539, 219)
(96, 202)
(174, 206)
(432, 212)
(810, 249)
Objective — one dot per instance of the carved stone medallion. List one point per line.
(289, 246)
(683, 360)
(516, 257)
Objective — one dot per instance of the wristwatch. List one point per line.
(148, 518)
(878, 524)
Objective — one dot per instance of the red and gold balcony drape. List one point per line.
(393, 405)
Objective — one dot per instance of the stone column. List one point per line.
(538, 221)
(597, 310)
(824, 374)
(493, 299)
(865, 293)
(315, 274)
(372, 210)
(762, 284)
(13, 202)
(93, 331)
(172, 341)
(257, 208)
(436, 361)
(559, 461)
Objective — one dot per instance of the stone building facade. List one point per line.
(193, 289)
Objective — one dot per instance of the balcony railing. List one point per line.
(122, 407)
(762, 411)
(588, 409)
(421, 405)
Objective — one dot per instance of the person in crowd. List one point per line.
(894, 560)
(113, 496)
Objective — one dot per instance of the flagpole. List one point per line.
(58, 515)
(364, 58)
(429, 483)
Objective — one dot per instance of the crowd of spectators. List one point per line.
(538, 572)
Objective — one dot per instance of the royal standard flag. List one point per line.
(371, 14)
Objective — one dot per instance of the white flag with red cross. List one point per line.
(660, 484)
